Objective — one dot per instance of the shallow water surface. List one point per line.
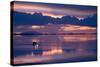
(54, 48)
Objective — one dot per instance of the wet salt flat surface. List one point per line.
(54, 48)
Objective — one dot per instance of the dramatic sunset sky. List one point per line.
(54, 10)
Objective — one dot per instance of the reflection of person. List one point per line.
(37, 50)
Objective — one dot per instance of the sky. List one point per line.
(54, 10)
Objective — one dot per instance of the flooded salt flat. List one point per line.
(51, 48)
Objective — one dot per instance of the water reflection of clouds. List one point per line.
(73, 38)
(53, 51)
(52, 40)
(49, 52)
(54, 47)
(52, 58)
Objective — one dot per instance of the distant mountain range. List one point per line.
(38, 33)
(19, 18)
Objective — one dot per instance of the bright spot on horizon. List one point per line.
(76, 38)
(37, 27)
(69, 28)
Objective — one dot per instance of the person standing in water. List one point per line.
(35, 44)
(37, 51)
